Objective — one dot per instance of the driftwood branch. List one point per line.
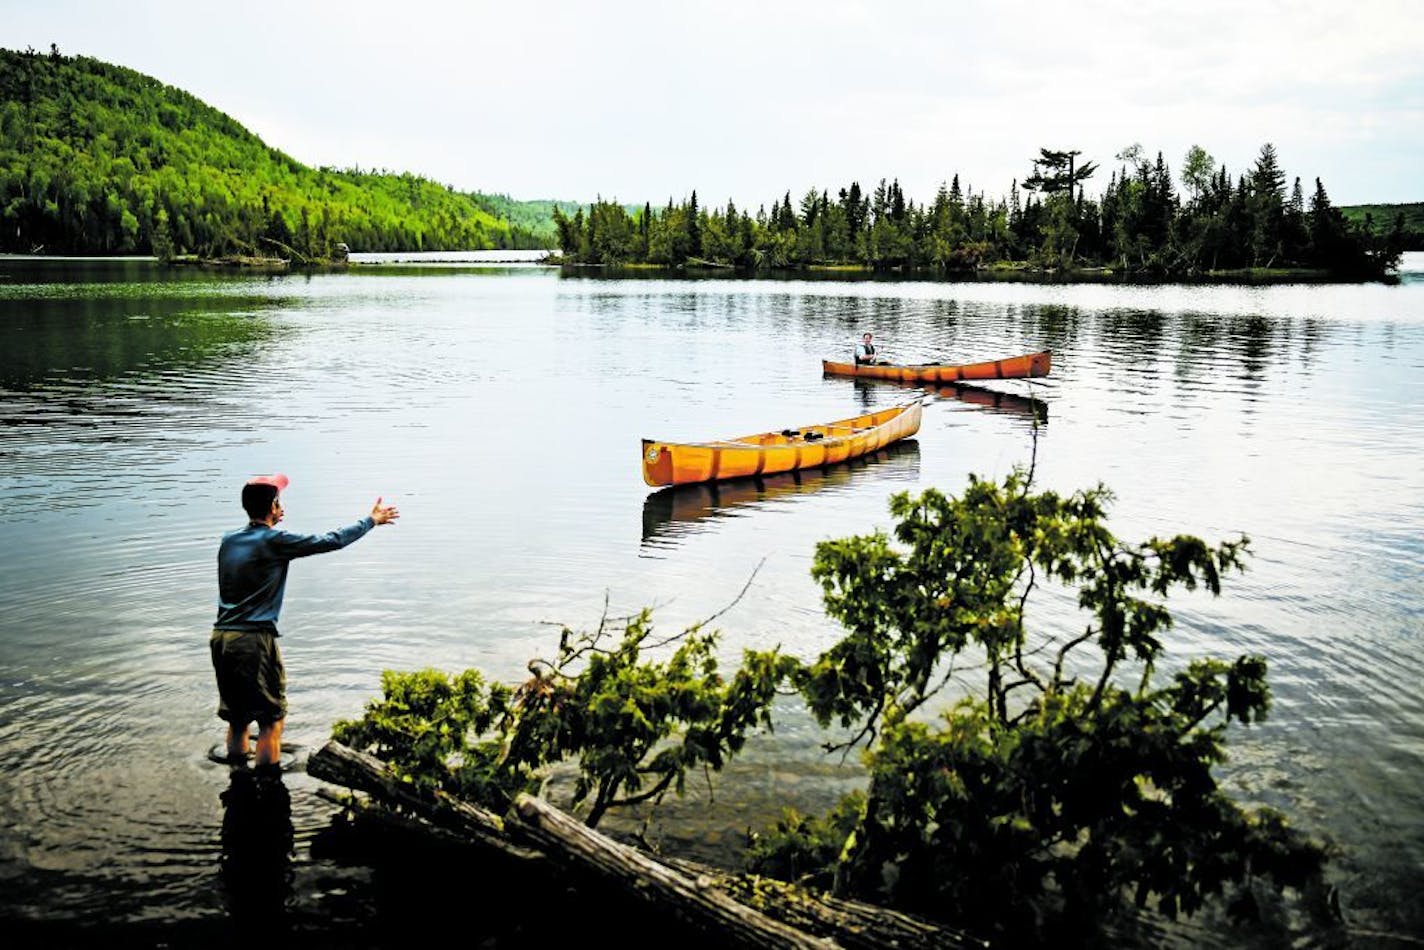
(288, 248)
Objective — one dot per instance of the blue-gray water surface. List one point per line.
(501, 407)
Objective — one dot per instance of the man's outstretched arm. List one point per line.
(304, 545)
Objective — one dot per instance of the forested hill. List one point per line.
(99, 159)
(1408, 217)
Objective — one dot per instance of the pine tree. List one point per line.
(1267, 208)
(1054, 172)
(694, 227)
(810, 208)
(787, 221)
(1295, 237)
(1327, 226)
(897, 202)
(854, 204)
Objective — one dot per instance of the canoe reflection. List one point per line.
(1027, 407)
(677, 510)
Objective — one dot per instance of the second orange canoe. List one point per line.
(766, 453)
(1016, 367)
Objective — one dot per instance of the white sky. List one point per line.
(639, 101)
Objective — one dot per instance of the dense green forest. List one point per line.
(535, 217)
(1371, 216)
(99, 159)
(1140, 223)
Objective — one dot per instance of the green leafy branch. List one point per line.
(635, 711)
(1036, 799)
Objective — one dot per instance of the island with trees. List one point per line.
(1247, 225)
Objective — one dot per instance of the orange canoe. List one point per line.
(1017, 367)
(767, 453)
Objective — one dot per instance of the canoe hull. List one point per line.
(769, 453)
(1017, 367)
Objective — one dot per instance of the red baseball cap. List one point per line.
(276, 479)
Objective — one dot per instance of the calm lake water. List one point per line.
(501, 407)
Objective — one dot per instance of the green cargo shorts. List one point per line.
(252, 683)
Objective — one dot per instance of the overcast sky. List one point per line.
(639, 101)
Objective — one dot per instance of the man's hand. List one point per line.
(384, 514)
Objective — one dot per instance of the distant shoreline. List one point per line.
(1016, 272)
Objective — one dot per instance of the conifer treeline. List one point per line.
(1140, 224)
(99, 159)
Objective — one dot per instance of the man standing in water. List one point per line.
(252, 576)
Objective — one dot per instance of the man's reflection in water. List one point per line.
(257, 841)
(865, 392)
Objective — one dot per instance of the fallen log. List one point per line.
(365, 811)
(697, 901)
(343, 765)
(851, 924)
(749, 910)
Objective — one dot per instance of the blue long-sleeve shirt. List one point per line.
(252, 570)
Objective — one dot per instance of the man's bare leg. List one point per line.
(269, 743)
(237, 740)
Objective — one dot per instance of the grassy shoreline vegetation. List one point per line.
(98, 159)
(1251, 225)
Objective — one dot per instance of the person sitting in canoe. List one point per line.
(865, 352)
